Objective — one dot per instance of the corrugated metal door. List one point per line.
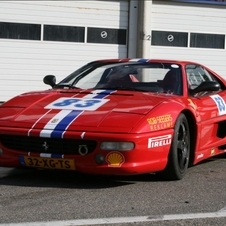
(189, 31)
(56, 37)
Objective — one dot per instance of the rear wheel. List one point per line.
(178, 158)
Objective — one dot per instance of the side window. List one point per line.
(196, 75)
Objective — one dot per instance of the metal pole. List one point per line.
(132, 37)
(144, 29)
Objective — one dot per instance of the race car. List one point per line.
(118, 117)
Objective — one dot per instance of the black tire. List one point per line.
(178, 159)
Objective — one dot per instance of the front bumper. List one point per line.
(144, 158)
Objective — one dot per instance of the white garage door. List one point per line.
(189, 31)
(56, 37)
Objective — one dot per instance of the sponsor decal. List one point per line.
(192, 104)
(160, 122)
(212, 152)
(160, 141)
(220, 104)
(115, 159)
(200, 156)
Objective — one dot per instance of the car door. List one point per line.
(210, 108)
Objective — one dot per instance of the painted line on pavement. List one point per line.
(118, 220)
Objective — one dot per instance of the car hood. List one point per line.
(89, 110)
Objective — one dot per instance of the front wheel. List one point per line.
(178, 158)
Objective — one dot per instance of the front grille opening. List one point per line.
(48, 145)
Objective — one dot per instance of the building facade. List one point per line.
(56, 37)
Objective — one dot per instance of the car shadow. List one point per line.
(66, 179)
(71, 179)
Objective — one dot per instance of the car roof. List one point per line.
(147, 60)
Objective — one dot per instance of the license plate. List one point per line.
(49, 163)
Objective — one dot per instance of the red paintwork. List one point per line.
(123, 118)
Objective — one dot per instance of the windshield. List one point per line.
(152, 77)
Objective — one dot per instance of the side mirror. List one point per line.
(206, 86)
(50, 80)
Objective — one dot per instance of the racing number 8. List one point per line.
(77, 103)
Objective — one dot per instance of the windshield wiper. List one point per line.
(65, 85)
(138, 88)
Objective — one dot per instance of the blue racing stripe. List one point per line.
(143, 60)
(103, 94)
(62, 125)
(69, 118)
(22, 162)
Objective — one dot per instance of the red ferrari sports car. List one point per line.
(118, 117)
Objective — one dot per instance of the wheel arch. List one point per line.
(193, 134)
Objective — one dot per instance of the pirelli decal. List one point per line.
(160, 141)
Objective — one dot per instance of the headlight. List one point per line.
(117, 146)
